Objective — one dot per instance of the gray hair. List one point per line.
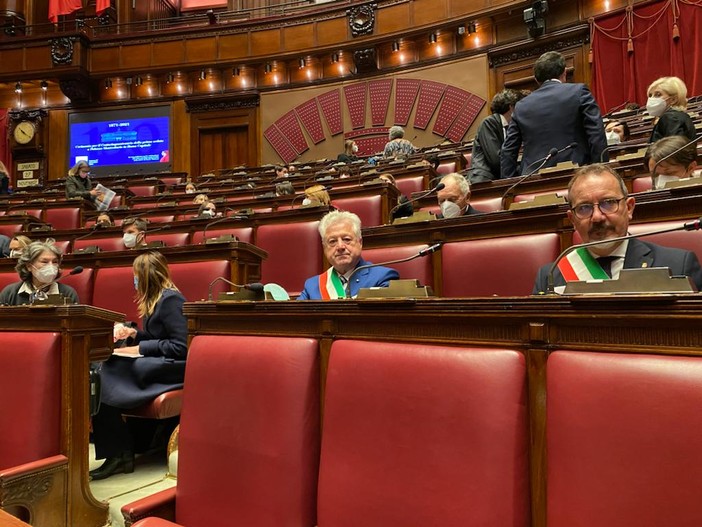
(30, 254)
(459, 180)
(396, 132)
(338, 216)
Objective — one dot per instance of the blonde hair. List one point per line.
(151, 270)
(3, 169)
(674, 87)
(75, 168)
(318, 194)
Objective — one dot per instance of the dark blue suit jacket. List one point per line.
(638, 253)
(554, 116)
(126, 382)
(373, 277)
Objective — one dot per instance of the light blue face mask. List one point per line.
(136, 283)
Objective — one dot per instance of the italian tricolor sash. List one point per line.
(330, 285)
(581, 265)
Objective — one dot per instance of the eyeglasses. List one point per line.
(585, 211)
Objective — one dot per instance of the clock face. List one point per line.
(24, 132)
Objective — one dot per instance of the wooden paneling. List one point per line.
(166, 53)
(200, 50)
(395, 18)
(265, 42)
(137, 56)
(297, 37)
(58, 144)
(104, 59)
(333, 31)
(36, 58)
(233, 46)
(180, 133)
(437, 14)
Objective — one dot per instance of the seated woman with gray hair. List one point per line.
(38, 267)
(397, 146)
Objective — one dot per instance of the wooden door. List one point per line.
(223, 147)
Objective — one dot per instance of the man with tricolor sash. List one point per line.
(342, 244)
(601, 209)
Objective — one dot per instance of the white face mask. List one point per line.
(208, 212)
(656, 106)
(189, 191)
(613, 138)
(450, 210)
(354, 148)
(15, 253)
(45, 274)
(129, 239)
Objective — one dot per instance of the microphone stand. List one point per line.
(550, 288)
(255, 287)
(420, 254)
(424, 194)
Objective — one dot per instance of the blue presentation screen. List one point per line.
(121, 141)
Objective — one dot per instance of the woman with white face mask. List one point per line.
(38, 269)
(667, 102)
(671, 159)
(350, 152)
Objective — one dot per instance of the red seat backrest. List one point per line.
(245, 234)
(193, 278)
(171, 239)
(116, 201)
(468, 156)
(114, 290)
(144, 190)
(82, 283)
(498, 266)
(8, 278)
(63, 218)
(419, 268)
(446, 168)
(368, 208)
(139, 206)
(253, 460)
(487, 204)
(294, 253)
(641, 184)
(623, 439)
(113, 243)
(30, 388)
(172, 181)
(410, 184)
(10, 229)
(162, 218)
(416, 434)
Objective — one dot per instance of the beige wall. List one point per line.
(470, 74)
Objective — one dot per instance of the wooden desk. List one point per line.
(10, 521)
(86, 337)
(666, 324)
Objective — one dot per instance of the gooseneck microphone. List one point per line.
(421, 254)
(437, 188)
(551, 153)
(256, 286)
(212, 224)
(689, 226)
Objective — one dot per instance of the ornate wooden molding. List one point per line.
(218, 104)
(524, 49)
(362, 19)
(62, 51)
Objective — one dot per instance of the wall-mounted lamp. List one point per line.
(236, 72)
(432, 38)
(395, 46)
(203, 75)
(335, 57)
(169, 78)
(268, 68)
(300, 63)
(138, 81)
(461, 29)
(18, 87)
(472, 28)
(44, 85)
(108, 83)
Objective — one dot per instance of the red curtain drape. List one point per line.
(62, 7)
(632, 49)
(5, 154)
(101, 5)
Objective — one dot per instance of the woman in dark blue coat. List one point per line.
(153, 362)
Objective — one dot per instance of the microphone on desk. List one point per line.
(694, 225)
(437, 188)
(551, 153)
(215, 222)
(40, 293)
(255, 286)
(165, 194)
(674, 152)
(421, 254)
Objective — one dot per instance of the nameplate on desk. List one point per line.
(560, 167)
(634, 282)
(224, 238)
(244, 295)
(419, 216)
(684, 182)
(397, 289)
(90, 249)
(544, 200)
(639, 154)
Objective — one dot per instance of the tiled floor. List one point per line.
(149, 476)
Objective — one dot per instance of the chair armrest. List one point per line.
(48, 464)
(155, 522)
(160, 504)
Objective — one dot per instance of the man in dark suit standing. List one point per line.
(485, 158)
(601, 209)
(554, 116)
